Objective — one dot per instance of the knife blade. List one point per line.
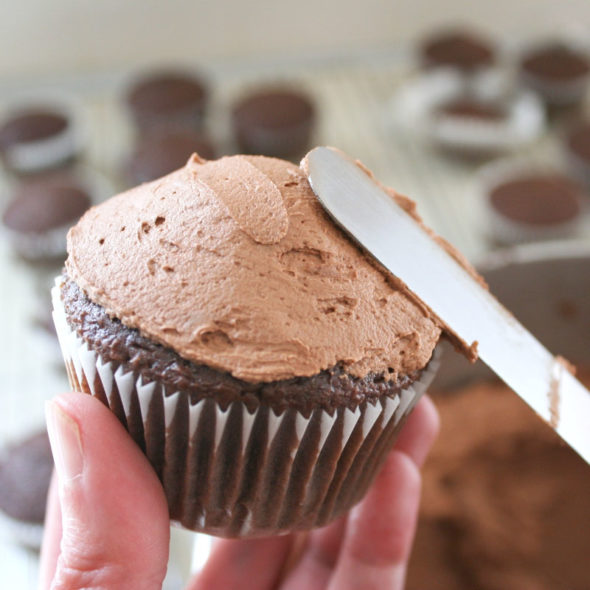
(469, 311)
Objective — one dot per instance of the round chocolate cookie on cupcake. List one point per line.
(160, 153)
(251, 349)
(25, 473)
(36, 137)
(41, 212)
(458, 48)
(167, 99)
(274, 122)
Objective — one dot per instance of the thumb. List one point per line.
(115, 525)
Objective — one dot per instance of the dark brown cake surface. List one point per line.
(542, 199)
(46, 203)
(114, 342)
(166, 92)
(274, 122)
(25, 473)
(462, 49)
(468, 108)
(31, 125)
(556, 62)
(161, 153)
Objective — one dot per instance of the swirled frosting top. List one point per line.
(233, 263)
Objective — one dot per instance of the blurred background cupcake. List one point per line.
(558, 71)
(461, 48)
(483, 119)
(274, 121)
(38, 134)
(528, 201)
(167, 99)
(25, 473)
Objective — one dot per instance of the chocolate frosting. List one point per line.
(506, 502)
(234, 264)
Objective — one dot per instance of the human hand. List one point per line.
(108, 527)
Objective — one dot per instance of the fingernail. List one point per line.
(66, 443)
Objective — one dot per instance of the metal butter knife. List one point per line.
(365, 211)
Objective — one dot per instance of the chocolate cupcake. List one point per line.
(260, 360)
(529, 202)
(41, 212)
(159, 154)
(577, 152)
(558, 72)
(25, 473)
(274, 122)
(461, 49)
(167, 99)
(479, 120)
(36, 137)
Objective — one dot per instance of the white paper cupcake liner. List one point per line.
(235, 473)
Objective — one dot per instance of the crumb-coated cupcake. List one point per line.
(261, 361)
(25, 473)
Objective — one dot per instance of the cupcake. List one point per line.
(274, 122)
(161, 153)
(577, 151)
(25, 473)
(261, 361)
(480, 120)
(558, 72)
(461, 49)
(167, 99)
(528, 202)
(41, 212)
(35, 137)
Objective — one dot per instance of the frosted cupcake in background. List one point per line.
(260, 360)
